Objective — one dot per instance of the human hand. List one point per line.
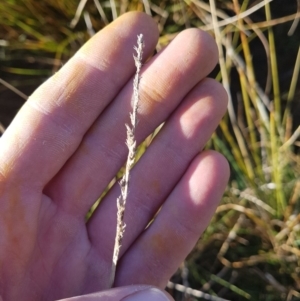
(68, 142)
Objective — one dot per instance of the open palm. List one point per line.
(68, 142)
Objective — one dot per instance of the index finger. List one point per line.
(50, 126)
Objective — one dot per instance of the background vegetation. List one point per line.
(251, 249)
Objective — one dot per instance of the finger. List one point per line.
(161, 167)
(52, 123)
(155, 256)
(129, 293)
(166, 80)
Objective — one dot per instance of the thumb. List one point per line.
(126, 293)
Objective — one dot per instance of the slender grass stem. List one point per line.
(131, 144)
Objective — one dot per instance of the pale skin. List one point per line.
(67, 143)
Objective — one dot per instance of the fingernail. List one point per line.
(151, 294)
